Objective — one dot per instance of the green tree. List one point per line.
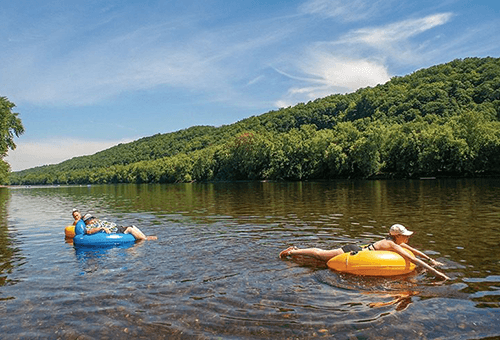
(10, 126)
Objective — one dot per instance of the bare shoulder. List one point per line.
(384, 244)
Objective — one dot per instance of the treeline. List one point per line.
(440, 121)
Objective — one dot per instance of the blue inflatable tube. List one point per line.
(102, 239)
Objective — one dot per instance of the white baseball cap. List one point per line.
(399, 229)
(87, 217)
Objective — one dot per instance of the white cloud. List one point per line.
(347, 11)
(329, 74)
(388, 39)
(89, 76)
(339, 66)
(255, 80)
(52, 151)
(205, 60)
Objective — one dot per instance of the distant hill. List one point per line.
(439, 121)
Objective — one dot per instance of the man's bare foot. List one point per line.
(287, 251)
(151, 238)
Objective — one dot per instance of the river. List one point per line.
(214, 272)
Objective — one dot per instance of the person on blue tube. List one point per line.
(90, 225)
(76, 215)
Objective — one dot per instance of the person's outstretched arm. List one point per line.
(421, 254)
(399, 249)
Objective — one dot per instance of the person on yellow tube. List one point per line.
(397, 240)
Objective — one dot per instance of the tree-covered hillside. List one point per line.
(444, 120)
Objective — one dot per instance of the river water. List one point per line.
(214, 272)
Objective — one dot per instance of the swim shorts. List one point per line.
(351, 247)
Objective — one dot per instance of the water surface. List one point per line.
(214, 271)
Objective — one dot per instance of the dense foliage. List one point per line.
(440, 121)
(10, 126)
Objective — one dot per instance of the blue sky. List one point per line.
(86, 75)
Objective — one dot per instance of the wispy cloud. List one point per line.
(393, 40)
(330, 74)
(140, 58)
(90, 74)
(49, 68)
(357, 59)
(255, 80)
(346, 11)
(53, 151)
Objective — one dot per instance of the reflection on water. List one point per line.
(215, 272)
(90, 259)
(5, 251)
(8, 251)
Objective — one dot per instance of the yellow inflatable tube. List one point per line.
(69, 231)
(372, 263)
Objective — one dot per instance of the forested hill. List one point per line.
(440, 121)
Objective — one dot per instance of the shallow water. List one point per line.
(214, 272)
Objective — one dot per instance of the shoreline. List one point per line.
(377, 177)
